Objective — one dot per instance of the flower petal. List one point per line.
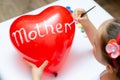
(109, 48)
(115, 55)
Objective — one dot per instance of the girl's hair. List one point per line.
(112, 30)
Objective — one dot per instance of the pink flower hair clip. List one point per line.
(113, 48)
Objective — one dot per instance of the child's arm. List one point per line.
(86, 23)
(37, 71)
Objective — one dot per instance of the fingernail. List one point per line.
(46, 61)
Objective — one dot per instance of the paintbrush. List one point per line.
(87, 11)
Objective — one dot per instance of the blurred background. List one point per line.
(111, 6)
(12, 8)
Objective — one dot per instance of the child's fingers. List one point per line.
(29, 63)
(45, 63)
(75, 15)
(78, 12)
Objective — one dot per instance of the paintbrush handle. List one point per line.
(87, 11)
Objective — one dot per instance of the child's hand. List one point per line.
(77, 16)
(37, 71)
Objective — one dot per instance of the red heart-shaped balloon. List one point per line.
(45, 36)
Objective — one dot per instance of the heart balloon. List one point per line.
(45, 36)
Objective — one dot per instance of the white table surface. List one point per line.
(80, 65)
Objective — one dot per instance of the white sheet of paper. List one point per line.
(80, 65)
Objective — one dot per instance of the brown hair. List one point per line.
(112, 30)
